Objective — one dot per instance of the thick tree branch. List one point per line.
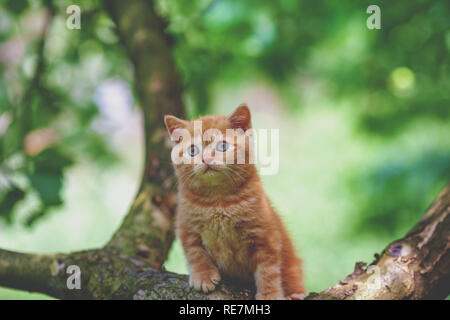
(105, 274)
(147, 232)
(414, 267)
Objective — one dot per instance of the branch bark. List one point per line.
(416, 266)
(105, 274)
(146, 233)
(129, 266)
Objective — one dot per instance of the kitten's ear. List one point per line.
(241, 118)
(173, 123)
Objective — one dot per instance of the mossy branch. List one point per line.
(146, 233)
(416, 266)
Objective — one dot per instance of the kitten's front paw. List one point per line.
(269, 296)
(204, 280)
(296, 296)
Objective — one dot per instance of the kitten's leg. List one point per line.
(268, 274)
(293, 286)
(203, 273)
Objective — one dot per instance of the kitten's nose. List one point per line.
(207, 159)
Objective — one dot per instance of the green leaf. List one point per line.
(51, 160)
(47, 180)
(35, 216)
(11, 140)
(9, 201)
(48, 186)
(16, 6)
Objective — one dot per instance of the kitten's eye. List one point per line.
(222, 146)
(193, 151)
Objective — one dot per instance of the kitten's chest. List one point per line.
(223, 238)
(219, 234)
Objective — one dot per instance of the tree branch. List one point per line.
(147, 232)
(105, 274)
(414, 267)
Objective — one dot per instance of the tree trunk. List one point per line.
(129, 266)
(147, 233)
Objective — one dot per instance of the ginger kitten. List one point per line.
(224, 219)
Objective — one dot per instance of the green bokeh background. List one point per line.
(363, 119)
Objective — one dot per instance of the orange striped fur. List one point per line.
(225, 220)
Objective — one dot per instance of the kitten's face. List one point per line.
(217, 155)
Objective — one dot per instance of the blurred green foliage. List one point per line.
(327, 39)
(392, 195)
(395, 82)
(51, 87)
